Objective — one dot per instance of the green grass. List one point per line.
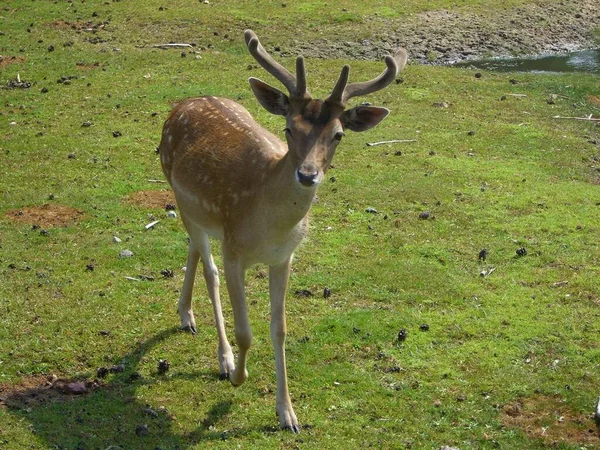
(522, 179)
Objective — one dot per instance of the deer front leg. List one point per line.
(278, 279)
(234, 276)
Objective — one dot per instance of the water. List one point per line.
(580, 61)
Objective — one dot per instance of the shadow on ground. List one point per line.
(87, 414)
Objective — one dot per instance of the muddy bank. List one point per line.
(440, 37)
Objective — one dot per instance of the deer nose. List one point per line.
(307, 178)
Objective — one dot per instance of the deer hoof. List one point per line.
(189, 329)
(295, 428)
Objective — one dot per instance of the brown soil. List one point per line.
(38, 390)
(152, 199)
(549, 419)
(46, 216)
(6, 61)
(438, 37)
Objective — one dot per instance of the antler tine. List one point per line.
(394, 65)
(295, 87)
(337, 93)
(300, 77)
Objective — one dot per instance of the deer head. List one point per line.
(314, 127)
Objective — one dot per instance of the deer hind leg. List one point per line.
(234, 275)
(278, 279)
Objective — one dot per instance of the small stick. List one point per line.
(172, 46)
(393, 141)
(132, 279)
(517, 95)
(589, 118)
(152, 224)
(156, 181)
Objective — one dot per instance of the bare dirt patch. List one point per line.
(153, 199)
(6, 61)
(38, 390)
(46, 216)
(443, 36)
(550, 420)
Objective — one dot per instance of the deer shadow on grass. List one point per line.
(89, 414)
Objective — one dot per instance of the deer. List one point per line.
(237, 182)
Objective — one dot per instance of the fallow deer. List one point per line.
(237, 182)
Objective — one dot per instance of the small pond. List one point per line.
(580, 61)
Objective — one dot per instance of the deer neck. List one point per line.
(289, 201)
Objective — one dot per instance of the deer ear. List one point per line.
(273, 100)
(363, 118)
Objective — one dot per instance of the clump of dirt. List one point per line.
(153, 199)
(38, 390)
(80, 26)
(550, 420)
(6, 61)
(47, 216)
(440, 37)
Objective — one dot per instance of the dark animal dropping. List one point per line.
(402, 334)
(163, 366)
(521, 251)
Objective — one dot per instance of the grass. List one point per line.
(495, 174)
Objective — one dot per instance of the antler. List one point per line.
(342, 92)
(296, 85)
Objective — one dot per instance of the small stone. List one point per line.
(371, 210)
(478, 75)
(116, 240)
(119, 368)
(87, 123)
(425, 215)
(44, 90)
(117, 134)
(89, 267)
(151, 412)
(170, 207)
(142, 430)
(102, 372)
(303, 293)
(125, 254)
(163, 366)
(424, 327)
(71, 156)
(513, 81)
(326, 292)
(503, 98)
(51, 48)
(75, 388)
(471, 133)
(172, 214)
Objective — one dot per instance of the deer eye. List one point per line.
(339, 135)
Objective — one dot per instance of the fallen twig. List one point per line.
(152, 224)
(156, 181)
(518, 95)
(172, 46)
(588, 118)
(393, 141)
